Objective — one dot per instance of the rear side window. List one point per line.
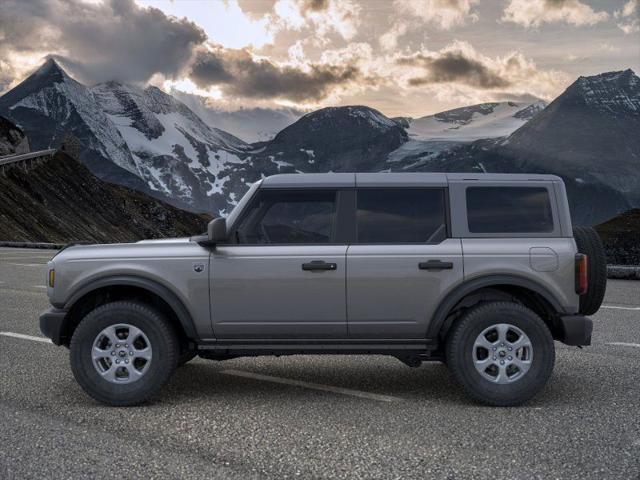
(401, 215)
(509, 210)
(289, 217)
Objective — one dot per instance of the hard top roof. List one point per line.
(404, 179)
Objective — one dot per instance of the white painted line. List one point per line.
(624, 344)
(25, 337)
(313, 386)
(29, 264)
(23, 258)
(620, 308)
(39, 286)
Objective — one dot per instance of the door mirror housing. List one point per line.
(217, 230)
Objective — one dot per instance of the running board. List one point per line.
(327, 346)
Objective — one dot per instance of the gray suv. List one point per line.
(479, 271)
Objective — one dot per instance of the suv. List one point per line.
(479, 271)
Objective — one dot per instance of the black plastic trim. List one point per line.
(575, 330)
(461, 291)
(52, 324)
(184, 317)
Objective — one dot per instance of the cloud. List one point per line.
(533, 13)
(626, 24)
(459, 71)
(323, 17)
(445, 14)
(239, 73)
(113, 40)
(389, 39)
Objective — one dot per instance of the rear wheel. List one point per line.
(588, 242)
(502, 353)
(122, 353)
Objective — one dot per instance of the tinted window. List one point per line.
(509, 210)
(277, 217)
(401, 216)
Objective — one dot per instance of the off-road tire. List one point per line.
(459, 353)
(164, 344)
(588, 242)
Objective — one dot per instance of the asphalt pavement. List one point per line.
(315, 416)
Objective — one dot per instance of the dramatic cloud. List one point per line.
(239, 73)
(533, 13)
(116, 39)
(321, 17)
(458, 69)
(629, 17)
(443, 13)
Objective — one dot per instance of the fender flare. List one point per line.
(466, 288)
(174, 302)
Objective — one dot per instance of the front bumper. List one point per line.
(575, 330)
(53, 323)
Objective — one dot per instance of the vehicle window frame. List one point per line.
(447, 216)
(341, 202)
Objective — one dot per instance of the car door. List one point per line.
(284, 276)
(401, 263)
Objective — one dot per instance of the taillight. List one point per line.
(582, 275)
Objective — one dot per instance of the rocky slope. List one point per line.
(61, 201)
(620, 238)
(12, 140)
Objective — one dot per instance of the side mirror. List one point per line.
(217, 230)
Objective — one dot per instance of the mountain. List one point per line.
(620, 238)
(139, 138)
(12, 140)
(60, 201)
(589, 133)
(466, 124)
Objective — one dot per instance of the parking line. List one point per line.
(624, 344)
(29, 264)
(313, 386)
(620, 308)
(26, 337)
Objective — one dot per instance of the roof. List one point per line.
(417, 179)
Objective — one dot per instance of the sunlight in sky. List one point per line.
(224, 22)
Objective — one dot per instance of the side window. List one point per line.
(509, 210)
(289, 217)
(401, 215)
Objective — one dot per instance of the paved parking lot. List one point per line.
(317, 416)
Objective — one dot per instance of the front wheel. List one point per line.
(502, 353)
(123, 352)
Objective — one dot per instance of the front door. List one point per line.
(284, 276)
(402, 262)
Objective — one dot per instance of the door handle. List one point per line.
(319, 265)
(435, 265)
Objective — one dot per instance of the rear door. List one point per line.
(284, 277)
(401, 263)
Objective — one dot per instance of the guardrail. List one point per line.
(25, 157)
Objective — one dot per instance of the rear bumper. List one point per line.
(575, 330)
(52, 324)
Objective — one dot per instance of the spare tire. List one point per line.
(588, 242)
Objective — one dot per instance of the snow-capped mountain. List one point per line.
(466, 124)
(141, 138)
(589, 135)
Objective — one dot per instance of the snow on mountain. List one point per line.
(52, 93)
(466, 124)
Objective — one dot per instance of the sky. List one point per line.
(402, 57)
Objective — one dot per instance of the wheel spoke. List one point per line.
(502, 329)
(144, 353)
(98, 353)
(521, 342)
(523, 365)
(502, 376)
(110, 375)
(133, 333)
(133, 373)
(110, 333)
(482, 341)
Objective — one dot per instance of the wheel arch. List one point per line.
(532, 294)
(106, 289)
